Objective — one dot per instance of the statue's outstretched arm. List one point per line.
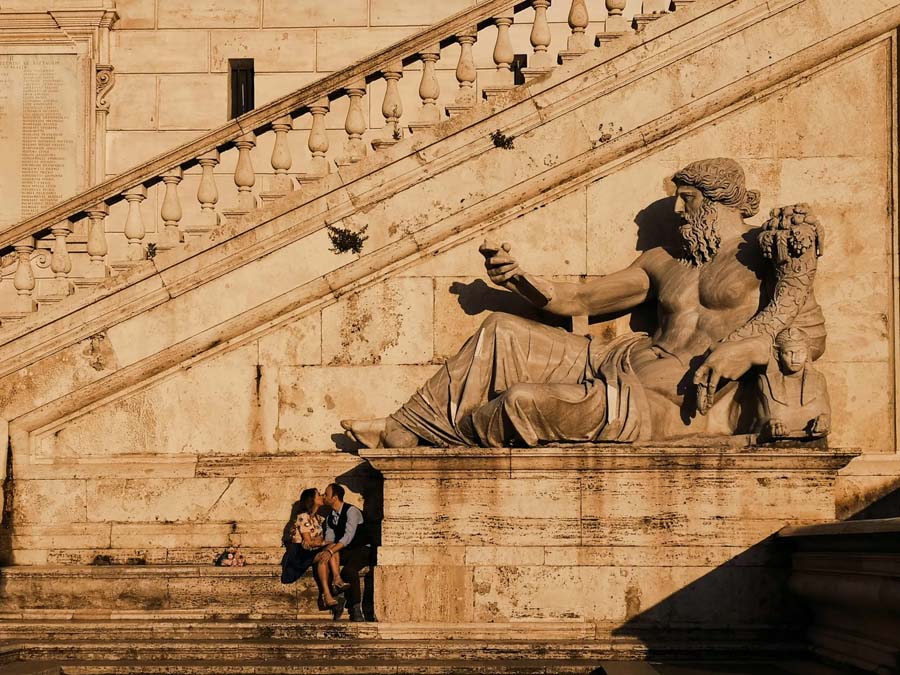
(613, 293)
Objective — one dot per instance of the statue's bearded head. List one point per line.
(702, 188)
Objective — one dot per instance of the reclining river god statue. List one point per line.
(721, 298)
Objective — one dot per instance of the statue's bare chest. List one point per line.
(723, 285)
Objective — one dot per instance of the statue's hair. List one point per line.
(720, 180)
(790, 336)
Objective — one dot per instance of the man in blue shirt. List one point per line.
(345, 532)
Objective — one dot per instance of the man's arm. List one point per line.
(612, 293)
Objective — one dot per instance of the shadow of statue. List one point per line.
(657, 226)
(477, 297)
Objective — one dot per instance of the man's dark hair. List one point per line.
(337, 491)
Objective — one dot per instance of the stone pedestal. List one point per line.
(848, 575)
(654, 542)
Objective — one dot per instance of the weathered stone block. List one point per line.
(212, 14)
(272, 51)
(153, 499)
(399, 13)
(50, 502)
(287, 14)
(337, 48)
(298, 343)
(156, 419)
(312, 401)
(135, 14)
(132, 103)
(173, 51)
(178, 95)
(442, 594)
(390, 323)
(127, 149)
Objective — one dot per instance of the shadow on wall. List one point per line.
(880, 502)
(369, 484)
(740, 605)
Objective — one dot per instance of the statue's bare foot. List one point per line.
(368, 433)
(379, 433)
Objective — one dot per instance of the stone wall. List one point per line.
(285, 391)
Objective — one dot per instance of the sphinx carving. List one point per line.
(793, 399)
(721, 298)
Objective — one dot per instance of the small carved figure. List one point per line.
(793, 398)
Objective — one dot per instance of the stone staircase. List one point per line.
(297, 648)
(75, 246)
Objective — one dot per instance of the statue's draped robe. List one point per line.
(516, 381)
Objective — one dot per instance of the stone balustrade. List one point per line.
(111, 227)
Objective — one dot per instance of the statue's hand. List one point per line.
(777, 429)
(821, 426)
(727, 361)
(502, 268)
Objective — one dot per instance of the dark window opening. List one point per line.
(241, 86)
(520, 61)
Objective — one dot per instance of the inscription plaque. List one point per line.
(39, 133)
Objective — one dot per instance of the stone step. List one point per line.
(330, 666)
(322, 649)
(30, 668)
(368, 666)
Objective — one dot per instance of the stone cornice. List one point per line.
(738, 453)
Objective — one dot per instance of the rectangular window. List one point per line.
(240, 83)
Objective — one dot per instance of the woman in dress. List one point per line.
(307, 537)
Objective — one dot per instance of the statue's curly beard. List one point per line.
(700, 238)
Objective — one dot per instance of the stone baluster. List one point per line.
(615, 22)
(503, 79)
(651, 11)
(540, 41)
(59, 286)
(97, 247)
(23, 304)
(355, 125)
(429, 90)
(465, 73)
(318, 143)
(134, 228)
(61, 261)
(392, 107)
(207, 195)
(578, 23)
(244, 175)
(171, 210)
(281, 157)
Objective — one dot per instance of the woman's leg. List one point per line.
(324, 583)
(335, 564)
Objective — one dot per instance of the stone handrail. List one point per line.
(22, 253)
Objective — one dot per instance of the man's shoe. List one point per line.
(356, 613)
(338, 609)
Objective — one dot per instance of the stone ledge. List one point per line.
(736, 453)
